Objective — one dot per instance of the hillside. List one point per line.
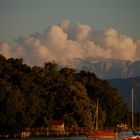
(34, 96)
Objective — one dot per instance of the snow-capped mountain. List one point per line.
(124, 75)
(108, 68)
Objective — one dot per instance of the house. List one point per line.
(25, 134)
(58, 126)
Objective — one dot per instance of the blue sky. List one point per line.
(23, 17)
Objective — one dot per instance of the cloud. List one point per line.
(82, 32)
(5, 49)
(120, 46)
(138, 50)
(64, 25)
(64, 43)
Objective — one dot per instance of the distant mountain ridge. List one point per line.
(108, 68)
(122, 74)
(125, 86)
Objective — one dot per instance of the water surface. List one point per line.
(120, 136)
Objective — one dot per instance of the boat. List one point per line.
(109, 134)
(134, 136)
(137, 137)
(99, 133)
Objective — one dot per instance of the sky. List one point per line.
(23, 17)
(97, 26)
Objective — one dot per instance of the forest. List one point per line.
(33, 96)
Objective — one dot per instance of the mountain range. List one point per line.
(122, 74)
(108, 68)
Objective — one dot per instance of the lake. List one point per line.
(120, 136)
(66, 138)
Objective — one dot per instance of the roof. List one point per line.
(57, 122)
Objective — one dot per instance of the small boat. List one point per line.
(137, 137)
(98, 133)
(110, 134)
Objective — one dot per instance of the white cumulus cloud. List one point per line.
(63, 43)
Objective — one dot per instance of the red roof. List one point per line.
(57, 122)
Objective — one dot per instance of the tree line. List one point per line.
(34, 96)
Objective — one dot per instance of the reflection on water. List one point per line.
(67, 138)
(120, 136)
